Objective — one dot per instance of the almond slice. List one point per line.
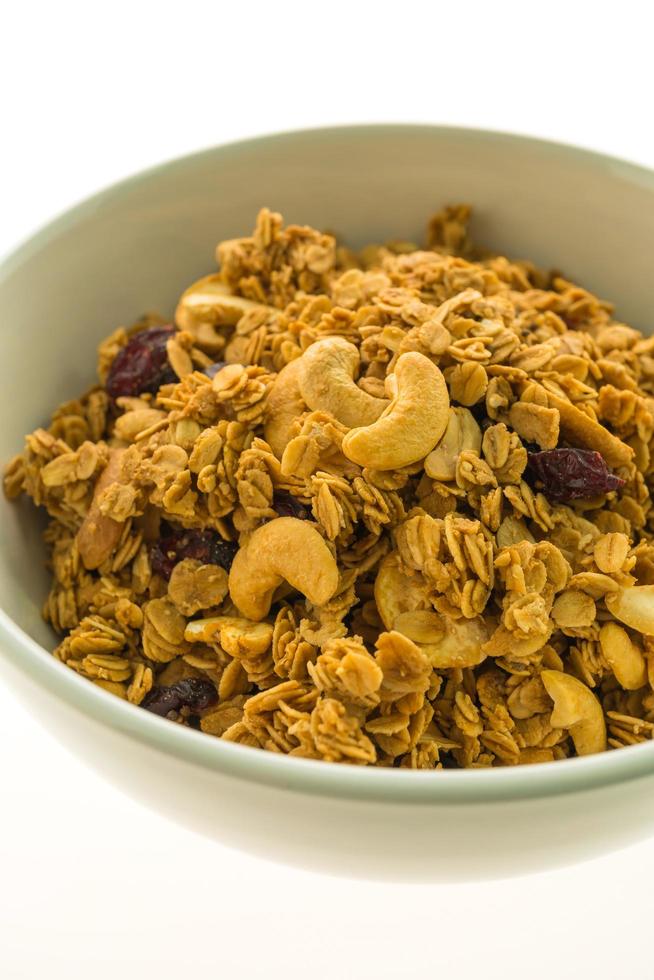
(99, 535)
(634, 607)
(584, 432)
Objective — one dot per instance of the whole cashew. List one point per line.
(98, 536)
(327, 383)
(412, 424)
(284, 405)
(285, 549)
(624, 657)
(462, 433)
(633, 606)
(577, 709)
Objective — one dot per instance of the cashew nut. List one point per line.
(99, 535)
(462, 433)
(404, 607)
(208, 303)
(633, 606)
(577, 709)
(327, 383)
(624, 657)
(285, 549)
(411, 425)
(284, 405)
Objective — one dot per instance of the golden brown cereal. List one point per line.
(326, 515)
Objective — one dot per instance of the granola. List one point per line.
(385, 508)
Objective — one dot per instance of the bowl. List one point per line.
(135, 247)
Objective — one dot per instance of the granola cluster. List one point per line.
(386, 508)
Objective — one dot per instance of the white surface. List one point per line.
(91, 885)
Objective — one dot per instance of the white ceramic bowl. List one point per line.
(134, 247)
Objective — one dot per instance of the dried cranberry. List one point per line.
(572, 474)
(175, 544)
(212, 369)
(286, 505)
(192, 692)
(142, 364)
(196, 693)
(349, 618)
(223, 552)
(162, 700)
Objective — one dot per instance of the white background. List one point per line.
(91, 885)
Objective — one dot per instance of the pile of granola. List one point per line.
(388, 508)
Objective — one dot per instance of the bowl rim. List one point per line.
(336, 781)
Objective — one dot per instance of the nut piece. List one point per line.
(462, 433)
(634, 607)
(209, 301)
(283, 406)
(326, 375)
(397, 592)
(412, 424)
(447, 642)
(236, 636)
(285, 549)
(404, 608)
(582, 431)
(624, 657)
(99, 535)
(577, 709)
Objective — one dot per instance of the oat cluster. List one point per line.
(314, 528)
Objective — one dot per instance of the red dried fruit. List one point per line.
(175, 544)
(286, 505)
(572, 474)
(194, 693)
(142, 364)
(222, 552)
